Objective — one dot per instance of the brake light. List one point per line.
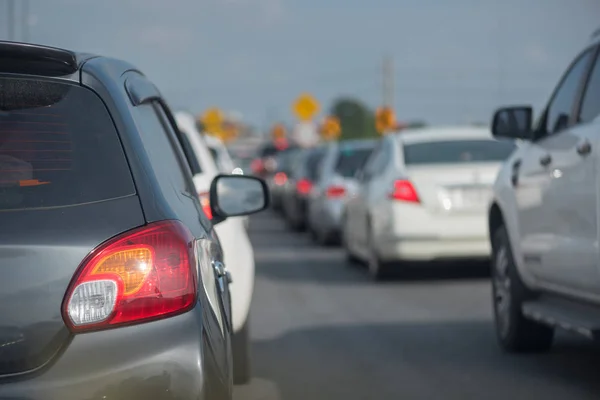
(145, 274)
(404, 191)
(205, 203)
(304, 186)
(335, 191)
(280, 178)
(257, 166)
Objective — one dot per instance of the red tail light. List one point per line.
(257, 166)
(144, 274)
(280, 178)
(205, 202)
(304, 186)
(335, 191)
(404, 191)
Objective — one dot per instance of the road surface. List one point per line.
(322, 330)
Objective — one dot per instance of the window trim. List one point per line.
(172, 133)
(540, 131)
(583, 91)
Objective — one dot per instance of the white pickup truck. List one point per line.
(544, 218)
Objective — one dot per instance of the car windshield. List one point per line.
(350, 160)
(457, 151)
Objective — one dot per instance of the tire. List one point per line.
(351, 259)
(240, 341)
(515, 333)
(378, 270)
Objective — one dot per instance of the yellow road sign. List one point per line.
(212, 118)
(385, 120)
(330, 129)
(278, 131)
(305, 107)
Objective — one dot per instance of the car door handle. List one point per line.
(584, 148)
(221, 271)
(545, 160)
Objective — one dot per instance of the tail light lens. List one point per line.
(205, 203)
(303, 186)
(280, 178)
(144, 274)
(335, 191)
(257, 166)
(404, 191)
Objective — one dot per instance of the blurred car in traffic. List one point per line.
(219, 154)
(277, 180)
(423, 196)
(265, 164)
(110, 273)
(543, 221)
(304, 170)
(238, 252)
(223, 161)
(334, 184)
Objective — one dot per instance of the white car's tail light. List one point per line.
(144, 274)
(404, 191)
(205, 202)
(335, 191)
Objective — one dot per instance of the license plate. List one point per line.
(465, 198)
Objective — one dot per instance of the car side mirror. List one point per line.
(513, 123)
(237, 195)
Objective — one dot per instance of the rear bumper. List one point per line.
(332, 216)
(159, 360)
(432, 249)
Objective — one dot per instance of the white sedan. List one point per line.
(237, 250)
(423, 196)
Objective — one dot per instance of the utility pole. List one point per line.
(388, 82)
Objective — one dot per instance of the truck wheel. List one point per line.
(515, 333)
(242, 371)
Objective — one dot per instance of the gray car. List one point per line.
(303, 172)
(112, 284)
(334, 185)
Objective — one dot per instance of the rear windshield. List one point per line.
(312, 164)
(350, 160)
(58, 147)
(457, 151)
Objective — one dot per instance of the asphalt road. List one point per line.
(322, 330)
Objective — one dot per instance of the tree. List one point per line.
(356, 120)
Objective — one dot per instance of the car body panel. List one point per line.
(443, 224)
(238, 253)
(178, 357)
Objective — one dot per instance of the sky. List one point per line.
(455, 61)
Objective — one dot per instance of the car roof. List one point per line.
(55, 62)
(213, 141)
(185, 121)
(428, 134)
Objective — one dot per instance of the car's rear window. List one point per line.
(58, 147)
(312, 163)
(350, 160)
(457, 151)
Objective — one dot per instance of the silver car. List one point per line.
(334, 186)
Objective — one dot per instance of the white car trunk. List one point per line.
(454, 188)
